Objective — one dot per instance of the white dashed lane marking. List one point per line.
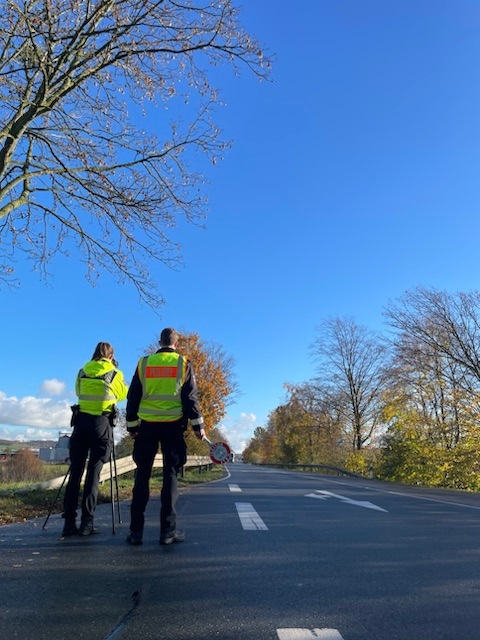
(234, 488)
(249, 517)
(308, 634)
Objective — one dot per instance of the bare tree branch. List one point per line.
(80, 82)
(448, 324)
(351, 361)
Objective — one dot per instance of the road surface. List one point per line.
(269, 555)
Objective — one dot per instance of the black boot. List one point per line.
(69, 528)
(87, 528)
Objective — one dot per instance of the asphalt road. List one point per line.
(269, 555)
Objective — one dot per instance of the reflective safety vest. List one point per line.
(162, 376)
(94, 393)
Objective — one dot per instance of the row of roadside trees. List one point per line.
(406, 400)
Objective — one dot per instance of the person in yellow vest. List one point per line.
(99, 386)
(162, 399)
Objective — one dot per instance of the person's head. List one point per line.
(169, 338)
(103, 350)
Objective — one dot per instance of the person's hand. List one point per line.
(133, 434)
(200, 434)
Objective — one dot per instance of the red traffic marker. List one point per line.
(219, 451)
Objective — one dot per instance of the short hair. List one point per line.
(102, 350)
(168, 337)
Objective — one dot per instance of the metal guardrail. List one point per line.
(124, 465)
(339, 471)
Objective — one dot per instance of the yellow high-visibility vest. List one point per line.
(162, 376)
(94, 390)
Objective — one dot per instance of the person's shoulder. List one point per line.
(90, 368)
(104, 365)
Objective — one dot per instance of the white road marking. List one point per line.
(307, 634)
(249, 517)
(234, 487)
(407, 495)
(410, 495)
(324, 495)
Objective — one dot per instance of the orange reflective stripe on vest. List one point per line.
(161, 372)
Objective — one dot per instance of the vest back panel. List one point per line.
(162, 376)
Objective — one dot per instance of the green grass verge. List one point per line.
(20, 507)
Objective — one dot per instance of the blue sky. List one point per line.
(353, 177)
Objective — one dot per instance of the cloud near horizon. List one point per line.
(238, 431)
(36, 418)
(27, 435)
(32, 412)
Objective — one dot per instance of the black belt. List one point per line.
(104, 413)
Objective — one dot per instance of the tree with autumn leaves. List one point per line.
(304, 429)
(216, 384)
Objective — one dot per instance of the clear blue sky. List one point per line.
(354, 176)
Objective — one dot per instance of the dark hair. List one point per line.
(102, 350)
(168, 337)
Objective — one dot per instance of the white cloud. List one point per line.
(38, 434)
(238, 431)
(42, 413)
(52, 387)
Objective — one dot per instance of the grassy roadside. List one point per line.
(19, 507)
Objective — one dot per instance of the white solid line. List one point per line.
(455, 504)
(308, 634)
(229, 475)
(408, 495)
(234, 487)
(249, 517)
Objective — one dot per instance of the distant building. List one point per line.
(57, 453)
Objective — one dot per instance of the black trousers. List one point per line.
(93, 438)
(170, 437)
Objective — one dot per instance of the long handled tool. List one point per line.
(56, 498)
(116, 482)
(112, 495)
